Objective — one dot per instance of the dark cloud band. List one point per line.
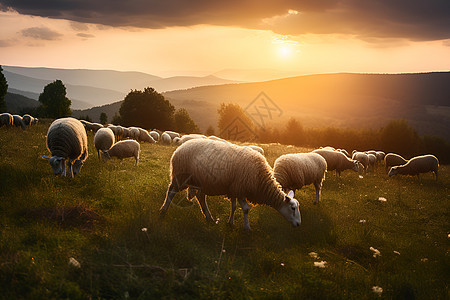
(410, 19)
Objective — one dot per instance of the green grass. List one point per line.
(183, 257)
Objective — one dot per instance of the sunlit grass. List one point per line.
(183, 256)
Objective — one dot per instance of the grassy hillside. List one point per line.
(99, 217)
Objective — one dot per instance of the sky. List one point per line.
(203, 37)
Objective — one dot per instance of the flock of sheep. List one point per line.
(211, 166)
(8, 120)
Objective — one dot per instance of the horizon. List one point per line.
(262, 42)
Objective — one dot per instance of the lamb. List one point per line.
(144, 136)
(103, 140)
(6, 119)
(172, 134)
(17, 121)
(154, 135)
(29, 120)
(392, 159)
(293, 171)
(66, 139)
(217, 168)
(337, 161)
(123, 149)
(166, 139)
(362, 158)
(417, 165)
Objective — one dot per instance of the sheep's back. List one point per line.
(67, 138)
(104, 139)
(422, 164)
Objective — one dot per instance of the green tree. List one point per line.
(293, 133)
(54, 103)
(147, 109)
(183, 122)
(399, 137)
(116, 120)
(103, 118)
(234, 124)
(3, 90)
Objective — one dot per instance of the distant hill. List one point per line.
(17, 104)
(342, 100)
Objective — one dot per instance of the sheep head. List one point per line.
(356, 166)
(393, 171)
(290, 209)
(57, 164)
(77, 166)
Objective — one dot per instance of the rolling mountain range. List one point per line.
(339, 100)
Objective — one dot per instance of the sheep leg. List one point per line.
(63, 168)
(171, 192)
(245, 209)
(318, 187)
(70, 169)
(233, 208)
(201, 198)
(137, 160)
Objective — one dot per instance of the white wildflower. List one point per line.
(424, 259)
(396, 252)
(282, 264)
(377, 290)
(360, 176)
(362, 221)
(320, 264)
(223, 250)
(74, 262)
(376, 252)
(313, 254)
(382, 199)
(144, 229)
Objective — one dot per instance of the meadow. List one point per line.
(107, 219)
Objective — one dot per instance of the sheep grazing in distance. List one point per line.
(144, 136)
(166, 139)
(134, 133)
(215, 168)
(6, 119)
(123, 149)
(172, 134)
(17, 121)
(362, 158)
(380, 156)
(103, 140)
(344, 151)
(176, 141)
(117, 130)
(155, 135)
(66, 139)
(125, 132)
(417, 165)
(293, 171)
(91, 126)
(29, 120)
(337, 161)
(372, 161)
(392, 160)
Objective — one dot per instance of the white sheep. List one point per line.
(66, 139)
(29, 120)
(166, 139)
(344, 151)
(417, 165)
(188, 137)
(144, 136)
(117, 130)
(256, 148)
(216, 138)
(372, 161)
(392, 160)
(172, 134)
(6, 119)
(293, 171)
(134, 133)
(123, 149)
(103, 140)
(380, 156)
(155, 135)
(17, 121)
(362, 158)
(215, 168)
(125, 132)
(337, 161)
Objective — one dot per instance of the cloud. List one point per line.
(5, 43)
(41, 33)
(408, 19)
(85, 35)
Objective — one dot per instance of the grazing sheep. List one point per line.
(176, 141)
(172, 134)
(123, 149)
(417, 165)
(17, 121)
(380, 156)
(392, 160)
(66, 139)
(103, 140)
(166, 139)
(126, 132)
(117, 130)
(6, 119)
(372, 161)
(155, 135)
(215, 168)
(344, 151)
(362, 158)
(256, 148)
(91, 126)
(144, 136)
(337, 161)
(29, 120)
(373, 152)
(293, 171)
(134, 133)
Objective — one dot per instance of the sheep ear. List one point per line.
(291, 194)
(45, 157)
